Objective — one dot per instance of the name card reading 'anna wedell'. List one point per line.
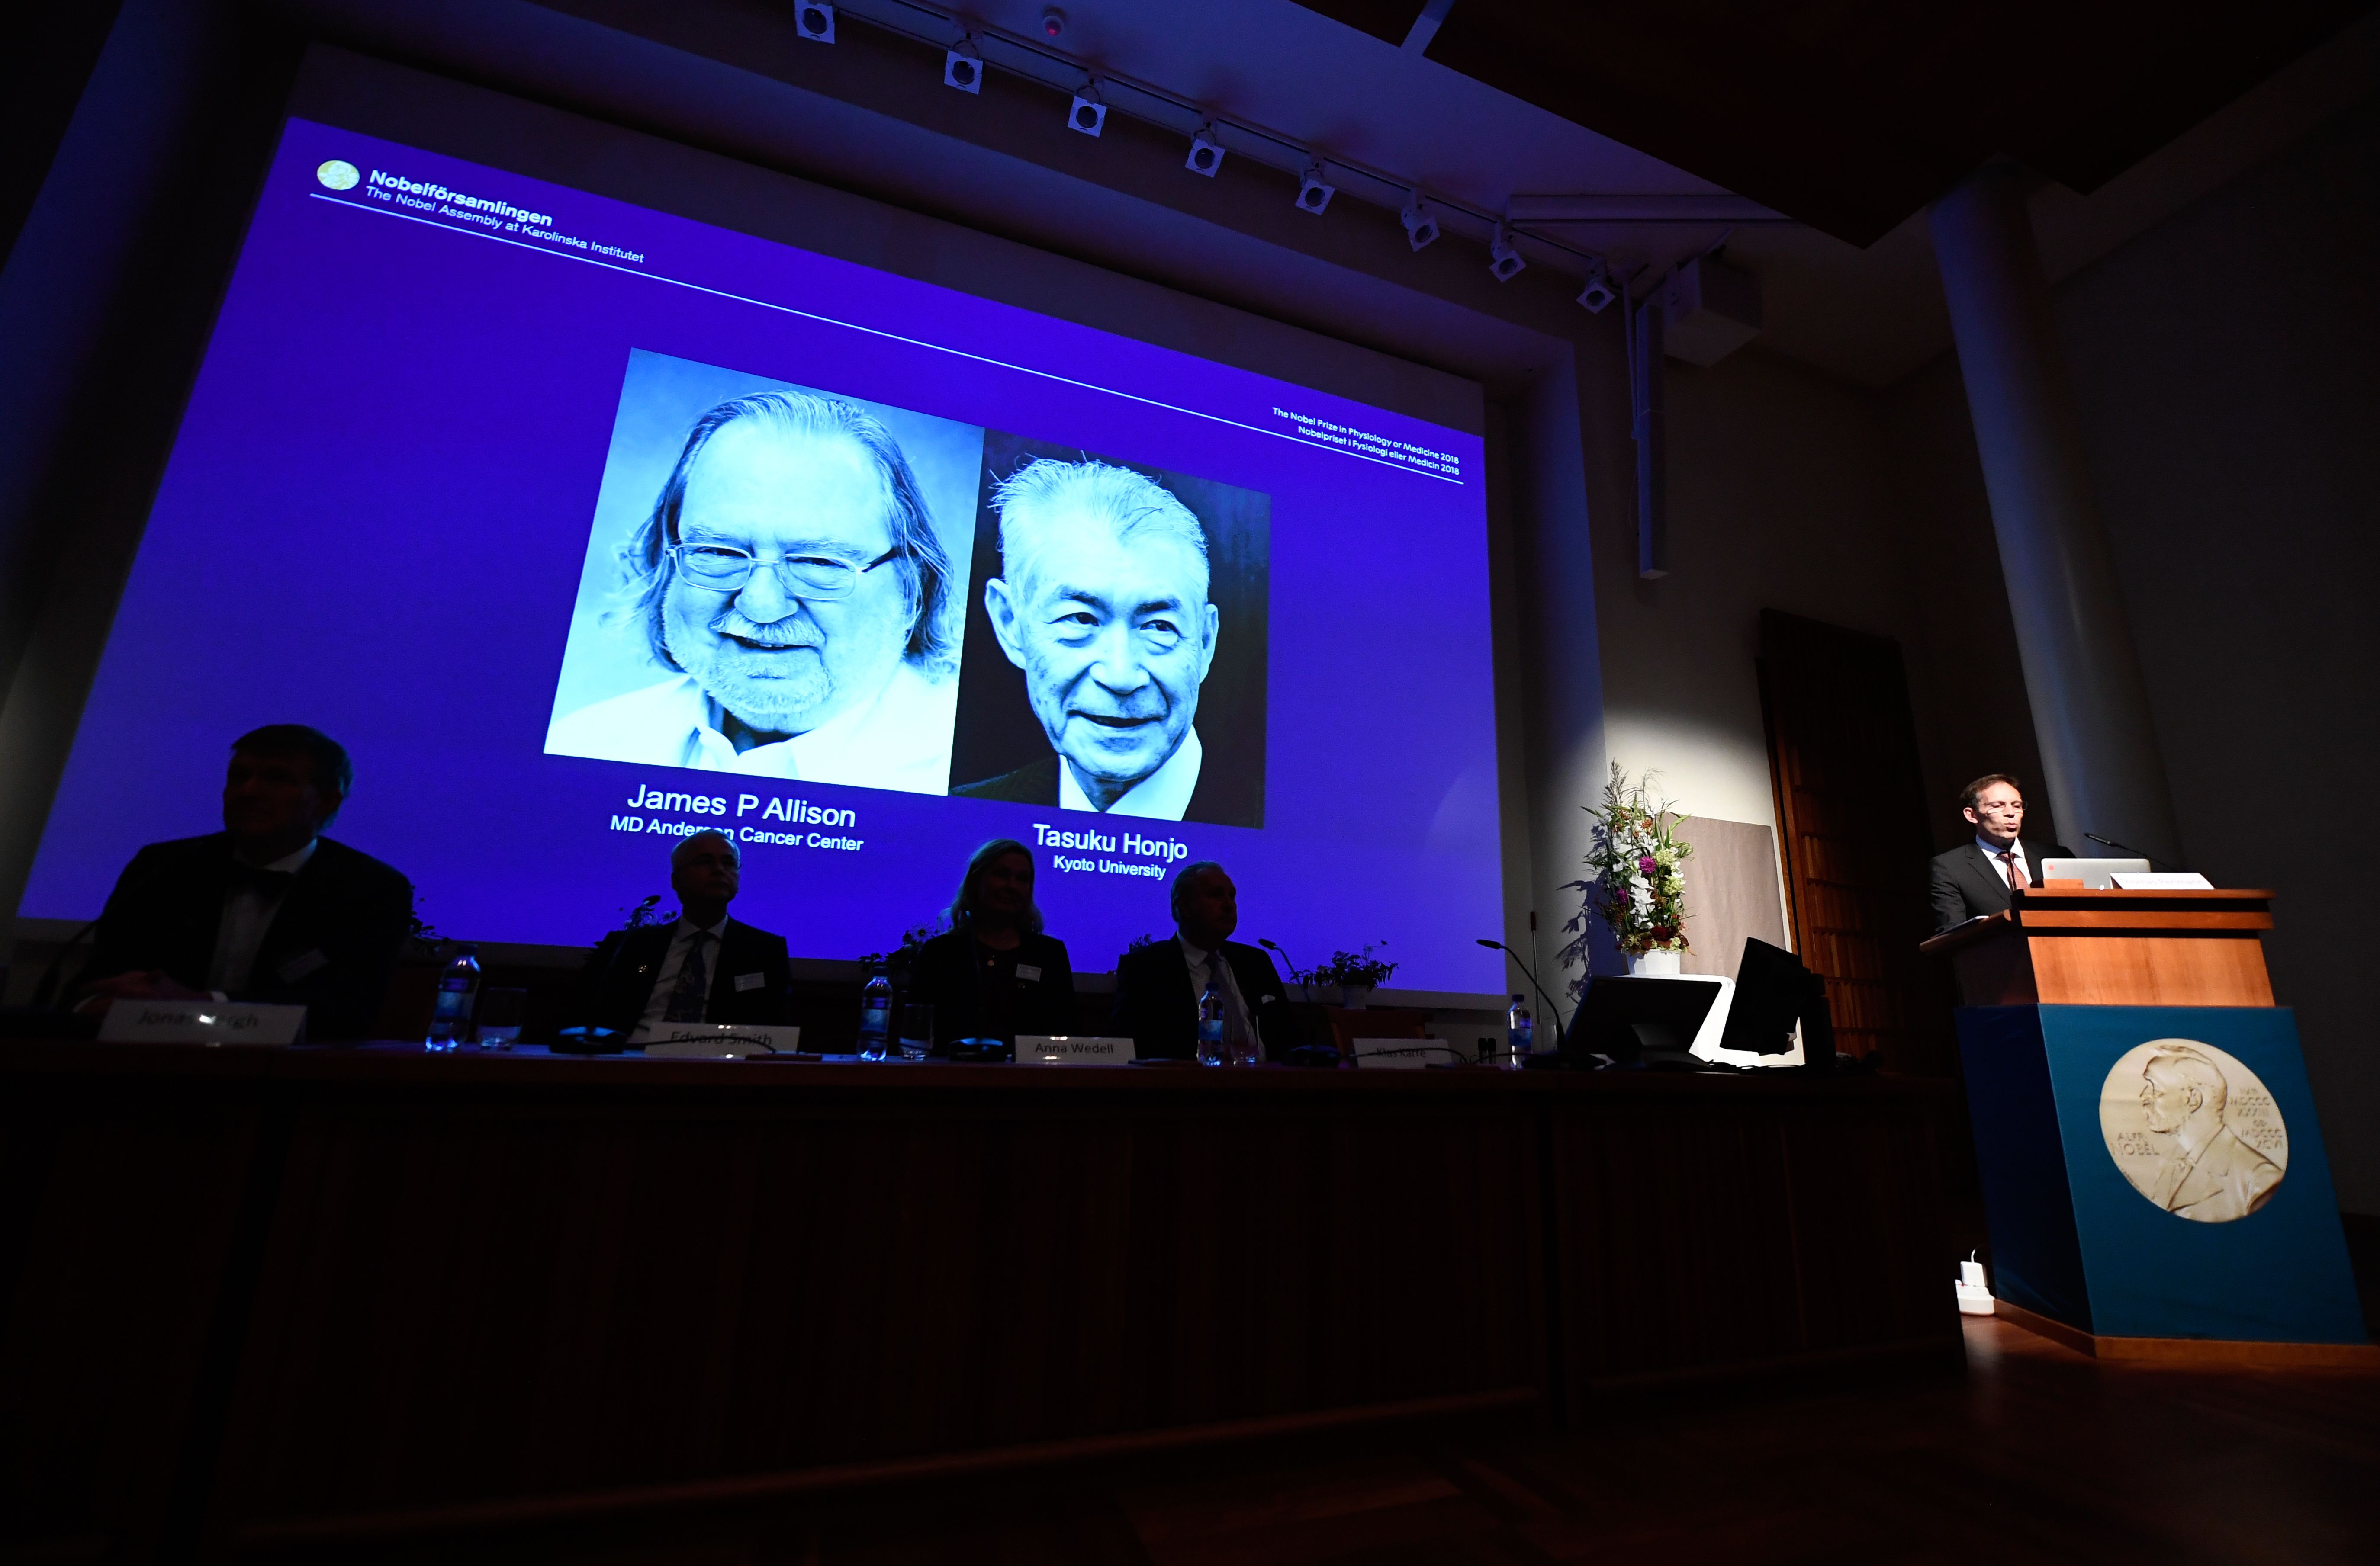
(1079, 1050)
(213, 1024)
(719, 1041)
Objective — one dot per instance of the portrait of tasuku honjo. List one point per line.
(2193, 1130)
(768, 588)
(1116, 650)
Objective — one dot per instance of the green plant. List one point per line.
(1350, 970)
(422, 937)
(907, 952)
(644, 915)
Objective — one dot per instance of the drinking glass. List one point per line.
(501, 1012)
(916, 1030)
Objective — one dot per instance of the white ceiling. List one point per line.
(1872, 316)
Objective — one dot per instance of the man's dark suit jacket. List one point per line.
(1155, 1008)
(615, 994)
(346, 908)
(1966, 884)
(1219, 798)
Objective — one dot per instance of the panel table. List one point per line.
(313, 1302)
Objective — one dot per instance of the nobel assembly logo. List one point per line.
(338, 176)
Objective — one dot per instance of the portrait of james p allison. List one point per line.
(768, 586)
(1116, 647)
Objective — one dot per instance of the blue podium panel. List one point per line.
(2158, 1172)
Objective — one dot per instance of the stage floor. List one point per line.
(2035, 1454)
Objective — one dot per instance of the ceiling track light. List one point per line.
(1600, 291)
(1314, 192)
(1047, 65)
(963, 66)
(1503, 259)
(1206, 152)
(1421, 223)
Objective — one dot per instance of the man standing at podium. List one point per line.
(1977, 878)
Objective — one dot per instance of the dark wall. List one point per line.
(2227, 375)
(2227, 368)
(51, 52)
(107, 300)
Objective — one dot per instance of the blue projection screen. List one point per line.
(584, 526)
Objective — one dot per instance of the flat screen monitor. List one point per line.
(586, 526)
(1773, 993)
(1629, 1019)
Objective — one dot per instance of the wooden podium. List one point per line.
(2124, 1059)
(2077, 948)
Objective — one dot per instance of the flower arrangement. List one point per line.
(1633, 881)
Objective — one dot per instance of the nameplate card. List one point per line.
(1405, 1054)
(201, 1022)
(718, 1041)
(1028, 972)
(2160, 880)
(1075, 1049)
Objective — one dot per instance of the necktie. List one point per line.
(1219, 970)
(2015, 871)
(693, 984)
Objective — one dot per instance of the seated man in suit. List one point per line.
(1158, 985)
(1976, 878)
(705, 967)
(268, 909)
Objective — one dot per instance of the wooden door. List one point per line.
(1850, 811)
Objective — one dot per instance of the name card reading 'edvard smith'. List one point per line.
(1080, 1050)
(719, 1040)
(213, 1024)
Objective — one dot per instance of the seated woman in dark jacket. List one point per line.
(994, 975)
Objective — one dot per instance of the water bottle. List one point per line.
(875, 1016)
(1210, 1023)
(458, 989)
(1520, 1033)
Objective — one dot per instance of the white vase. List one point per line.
(1656, 964)
(1352, 996)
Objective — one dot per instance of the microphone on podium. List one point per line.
(1274, 947)
(2154, 863)
(1551, 1010)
